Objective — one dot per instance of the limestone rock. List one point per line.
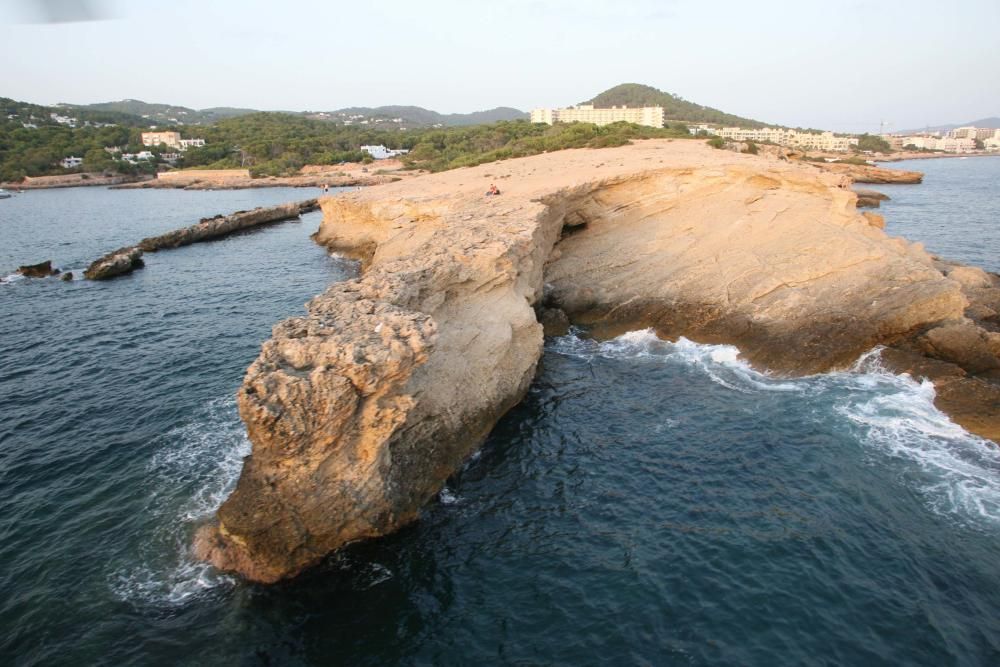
(223, 225)
(874, 219)
(866, 173)
(970, 276)
(115, 263)
(360, 410)
(965, 345)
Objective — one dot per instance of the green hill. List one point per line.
(411, 116)
(674, 107)
(164, 114)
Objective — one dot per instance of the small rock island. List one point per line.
(360, 410)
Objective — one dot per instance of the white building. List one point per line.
(144, 155)
(380, 152)
(820, 141)
(71, 162)
(587, 113)
(971, 132)
(191, 143)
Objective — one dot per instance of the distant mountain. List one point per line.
(39, 115)
(674, 107)
(164, 114)
(410, 116)
(992, 121)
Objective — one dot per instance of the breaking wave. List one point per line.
(195, 468)
(893, 416)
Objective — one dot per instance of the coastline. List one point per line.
(310, 176)
(457, 288)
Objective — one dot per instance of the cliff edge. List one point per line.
(360, 410)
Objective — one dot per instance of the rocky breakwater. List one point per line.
(866, 173)
(361, 409)
(125, 260)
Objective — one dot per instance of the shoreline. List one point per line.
(458, 289)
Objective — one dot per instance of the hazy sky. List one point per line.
(837, 65)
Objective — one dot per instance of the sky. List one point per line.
(846, 66)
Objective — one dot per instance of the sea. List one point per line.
(648, 503)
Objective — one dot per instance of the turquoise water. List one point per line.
(648, 503)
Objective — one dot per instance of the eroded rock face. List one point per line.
(360, 410)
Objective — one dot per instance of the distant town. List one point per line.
(960, 140)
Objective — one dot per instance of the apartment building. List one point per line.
(823, 141)
(172, 139)
(587, 113)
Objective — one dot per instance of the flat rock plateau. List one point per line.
(361, 409)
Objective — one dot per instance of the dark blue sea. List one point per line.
(648, 503)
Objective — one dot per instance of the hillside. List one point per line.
(164, 114)
(408, 116)
(675, 108)
(17, 112)
(992, 121)
(411, 116)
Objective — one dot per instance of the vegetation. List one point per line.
(278, 143)
(751, 148)
(674, 106)
(716, 142)
(875, 144)
(467, 146)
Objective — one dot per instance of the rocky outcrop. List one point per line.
(40, 270)
(115, 263)
(865, 173)
(223, 225)
(870, 198)
(361, 409)
(125, 260)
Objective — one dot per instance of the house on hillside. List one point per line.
(71, 162)
(380, 152)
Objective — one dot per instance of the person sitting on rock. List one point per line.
(493, 190)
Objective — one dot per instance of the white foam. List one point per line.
(193, 471)
(894, 416)
(448, 497)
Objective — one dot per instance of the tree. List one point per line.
(97, 159)
(869, 142)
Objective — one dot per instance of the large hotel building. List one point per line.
(586, 113)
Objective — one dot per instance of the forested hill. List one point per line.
(675, 108)
(410, 116)
(164, 114)
(405, 116)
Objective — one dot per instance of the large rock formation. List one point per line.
(866, 173)
(360, 410)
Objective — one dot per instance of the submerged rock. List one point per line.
(361, 409)
(40, 270)
(66, 277)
